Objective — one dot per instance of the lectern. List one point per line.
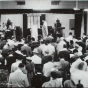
(60, 30)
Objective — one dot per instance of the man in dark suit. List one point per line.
(65, 53)
(38, 79)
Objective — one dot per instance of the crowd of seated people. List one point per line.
(58, 63)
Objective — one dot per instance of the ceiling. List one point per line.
(30, 4)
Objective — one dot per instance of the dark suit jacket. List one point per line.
(38, 80)
(2, 44)
(27, 48)
(66, 55)
(45, 59)
(10, 60)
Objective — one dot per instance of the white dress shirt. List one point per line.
(47, 69)
(18, 79)
(50, 49)
(36, 59)
(14, 66)
(60, 45)
(69, 38)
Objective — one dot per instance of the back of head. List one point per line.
(71, 42)
(60, 56)
(53, 40)
(39, 69)
(21, 65)
(70, 33)
(29, 37)
(24, 52)
(46, 42)
(50, 58)
(19, 46)
(18, 55)
(64, 46)
(80, 66)
(33, 39)
(54, 75)
(75, 51)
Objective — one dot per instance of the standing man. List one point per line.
(44, 29)
(57, 24)
(18, 79)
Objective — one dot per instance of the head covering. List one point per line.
(75, 66)
(62, 38)
(86, 58)
(6, 47)
(28, 58)
(36, 50)
(18, 52)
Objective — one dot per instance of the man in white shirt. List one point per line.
(47, 68)
(50, 48)
(35, 58)
(42, 46)
(10, 43)
(18, 79)
(60, 45)
(70, 37)
(14, 66)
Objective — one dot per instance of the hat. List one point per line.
(16, 43)
(28, 58)
(62, 38)
(6, 47)
(86, 58)
(36, 50)
(18, 52)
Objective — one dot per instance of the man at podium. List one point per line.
(57, 26)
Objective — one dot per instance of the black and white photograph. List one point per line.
(43, 43)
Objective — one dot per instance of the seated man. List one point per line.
(54, 82)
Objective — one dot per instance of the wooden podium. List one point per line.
(60, 30)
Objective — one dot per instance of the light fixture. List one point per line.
(86, 10)
(41, 9)
(76, 8)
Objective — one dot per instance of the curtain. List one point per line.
(33, 19)
(78, 21)
(24, 24)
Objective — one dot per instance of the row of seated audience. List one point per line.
(44, 63)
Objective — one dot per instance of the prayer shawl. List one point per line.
(34, 32)
(77, 74)
(44, 30)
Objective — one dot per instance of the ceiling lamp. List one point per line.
(86, 10)
(76, 8)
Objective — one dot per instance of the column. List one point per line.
(87, 23)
